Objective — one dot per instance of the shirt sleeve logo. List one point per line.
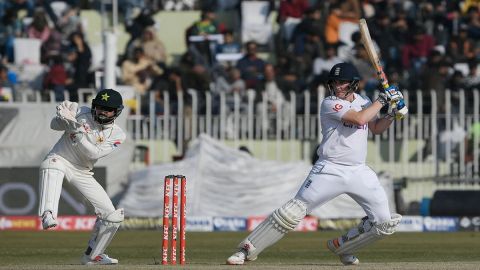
(337, 107)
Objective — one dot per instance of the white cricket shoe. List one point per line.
(346, 259)
(101, 259)
(48, 221)
(239, 258)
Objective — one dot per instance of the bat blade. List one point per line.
(375, 60)
(372, 53)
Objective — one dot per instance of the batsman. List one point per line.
(346, 118)
(88, 134)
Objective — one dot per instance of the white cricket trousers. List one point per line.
(52, 171)
(327, 180)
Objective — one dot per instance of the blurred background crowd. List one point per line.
(430, 44)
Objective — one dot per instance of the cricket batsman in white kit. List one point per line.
(89, 134)
(346, 118)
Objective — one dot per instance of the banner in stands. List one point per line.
(469, 224)
(19, 193)
(141, 224)
(229, 224)
(33, 223)
(338, 224)
(411, 224)
(199, 224)
(209, 224)
(440, 224)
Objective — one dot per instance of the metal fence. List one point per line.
(438, 139)
(427, 143)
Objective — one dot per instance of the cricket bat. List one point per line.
(375, 60)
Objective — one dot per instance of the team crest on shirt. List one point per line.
(337, 107)
(100, 139)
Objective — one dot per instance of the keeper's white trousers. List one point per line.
(52, 171)
(327, 180)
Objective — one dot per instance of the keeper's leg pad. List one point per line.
(50, 190)
(364, 234)
(272, 229)
(103, 232)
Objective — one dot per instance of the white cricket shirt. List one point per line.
(85, 149)
(342, 143)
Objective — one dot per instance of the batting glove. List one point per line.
(393, 93)
(383, 99)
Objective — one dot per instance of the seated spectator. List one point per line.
(290, 14)
(139, 71)
(289, 73)
(322, 65)
(135, 28)
(311, 23)
(80, 57)
(251, 67)
(207, 24)
(56, 78)
(473, 22)
(16, 5)
(10, 28)
(7, 87)
(229, 45)
(275, 96)
(369, 81)
(343, 11)
(311, 47)
(51, 47)
(472, 80)
(39, 28)
(233, 83)
(417, 50)
(203, 48)
(152, 46)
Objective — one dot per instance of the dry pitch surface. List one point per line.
(141, 250)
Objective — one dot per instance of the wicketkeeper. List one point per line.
(346, 118)
(89, 134)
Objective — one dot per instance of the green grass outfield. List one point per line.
(141, 250)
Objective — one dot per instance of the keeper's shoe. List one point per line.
(48, 221)
(101, 259)
(346, 259)
(239, 258)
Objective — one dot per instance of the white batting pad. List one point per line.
(364, 234)
(50, 189)
(272, 229)
(104, 231)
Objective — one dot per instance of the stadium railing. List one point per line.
(433, 141)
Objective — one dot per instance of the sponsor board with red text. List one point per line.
(34, 223)
(308, 224)
(19, 223)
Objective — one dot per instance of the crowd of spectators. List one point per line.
(424, 44)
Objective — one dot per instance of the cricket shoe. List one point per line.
(101, 259)
(346, 259)
(48, 221)
(239, 258)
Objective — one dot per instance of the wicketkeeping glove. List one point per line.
(66, 111)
